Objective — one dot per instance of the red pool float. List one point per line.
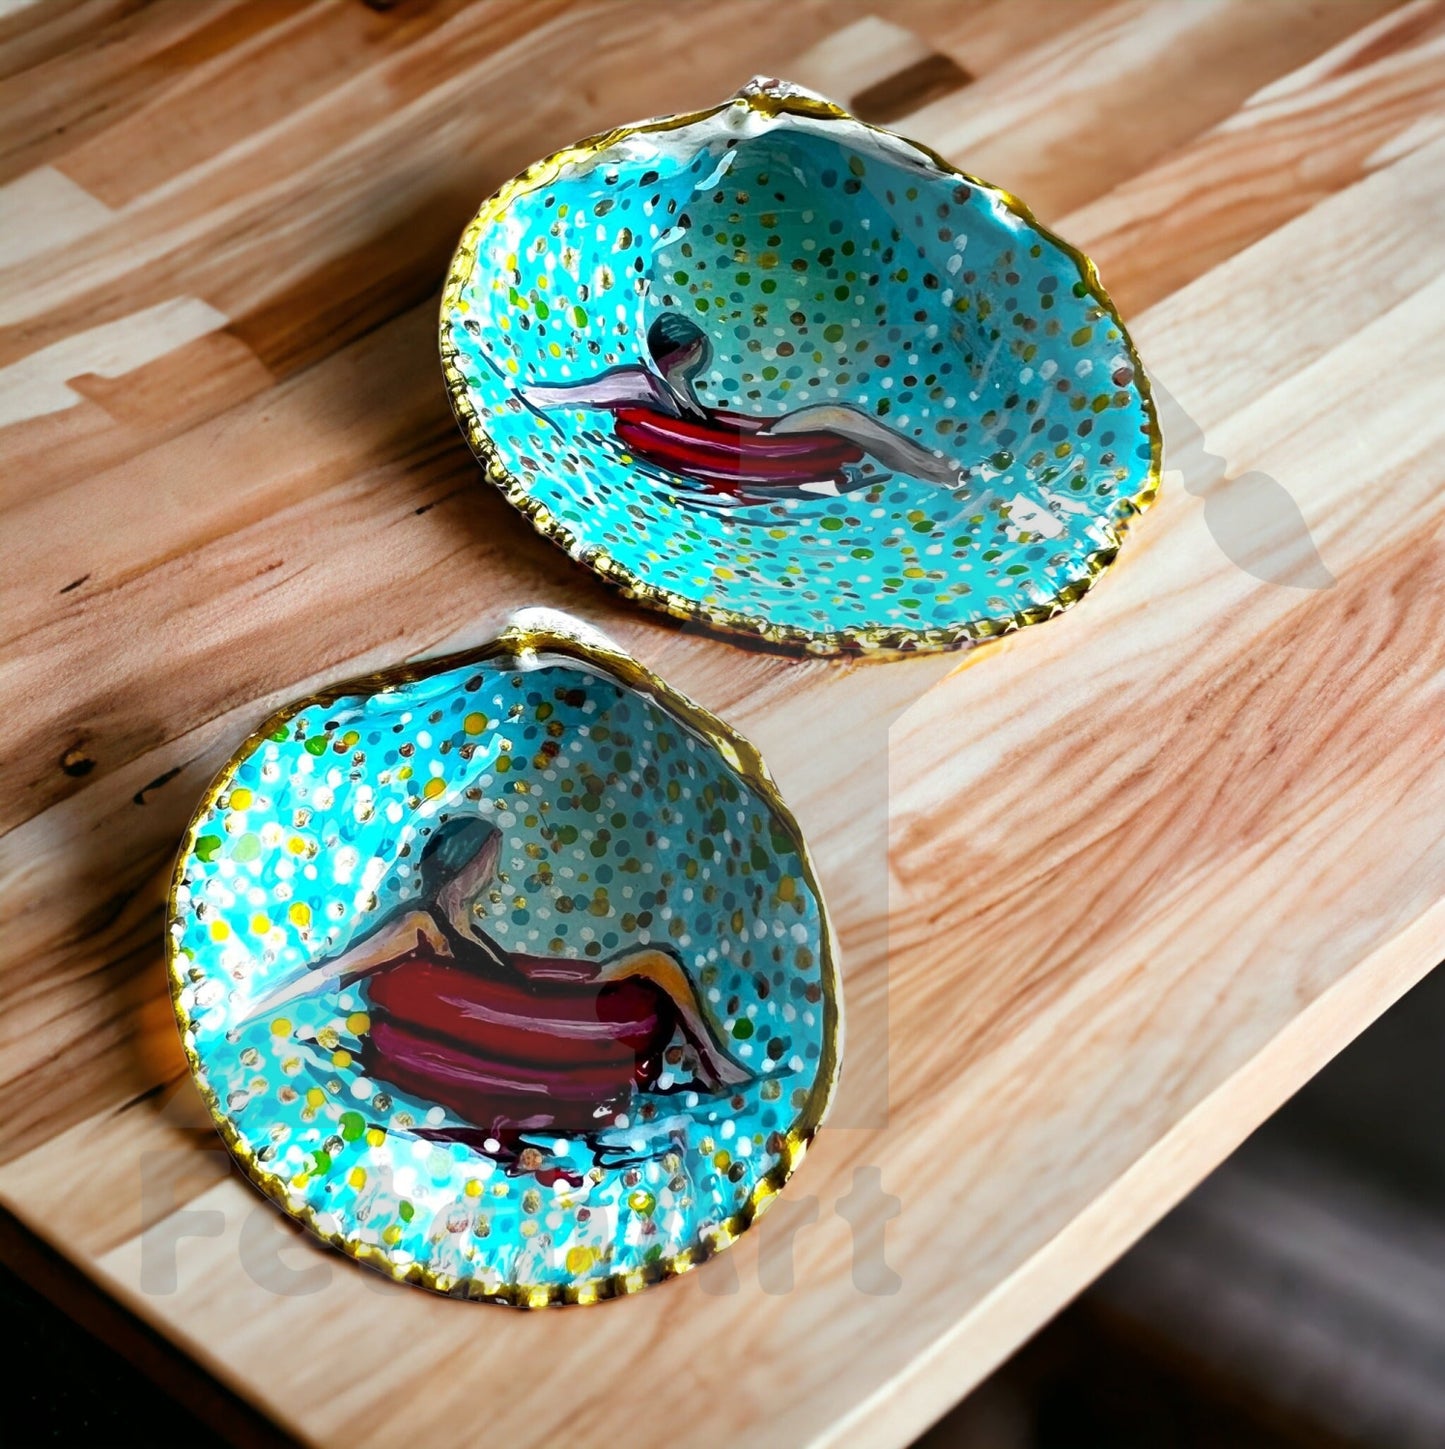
(732, 449)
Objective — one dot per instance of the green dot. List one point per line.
(742, 1028)
(207, 846)
(353, 1124)
(248, 847)
(833, 332)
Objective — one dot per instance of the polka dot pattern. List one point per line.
(627, 818)
(827, 263)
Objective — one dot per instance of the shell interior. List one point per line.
(789, 374)
(587, 1020)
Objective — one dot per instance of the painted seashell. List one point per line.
(508, 973)
(772, 369)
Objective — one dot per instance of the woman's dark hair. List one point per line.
(454, 843)
(672, 332)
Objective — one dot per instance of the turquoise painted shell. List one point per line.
(789, 375)
(508, 974)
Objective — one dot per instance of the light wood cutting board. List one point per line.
(1107, 892)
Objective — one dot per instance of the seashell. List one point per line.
(786, 374)
(525, 980)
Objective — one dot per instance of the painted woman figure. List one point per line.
(505, 1040)
(658, 416)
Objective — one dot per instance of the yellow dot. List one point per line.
(260, 925)
(219, 930)
(391, 1236)
(473, 1188)
(315, 1097)
(358, 1023)
(580, 1259)
(375, 1137)
(434, 787)
(301, 1179)
(721, 1160)
(529, 1228)
(299, 914)
(281, 1026)
(357, 1178)
(341, 1059)
(240, 799)
(296, 846)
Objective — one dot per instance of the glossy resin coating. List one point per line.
(788, 374)
(507, 974)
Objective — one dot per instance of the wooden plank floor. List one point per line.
(1107, 892)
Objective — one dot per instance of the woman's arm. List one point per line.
(392, 940)
(618, 387)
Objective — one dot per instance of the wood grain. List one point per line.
(1106, 892)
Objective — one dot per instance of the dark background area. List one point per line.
(66, 1387)
(1296, 1298)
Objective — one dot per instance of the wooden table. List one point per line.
(1107, 892)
